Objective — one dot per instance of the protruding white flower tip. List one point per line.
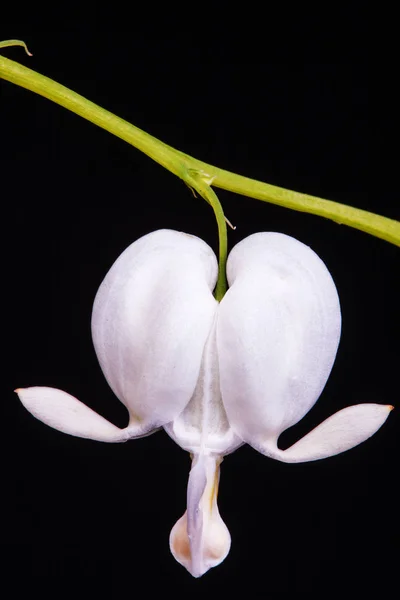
(67, 414)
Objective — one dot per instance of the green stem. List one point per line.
(35, 82)
(185, 166)
(198, 182)
(377, 225)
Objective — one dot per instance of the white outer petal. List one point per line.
(151, 318)
(277, 335)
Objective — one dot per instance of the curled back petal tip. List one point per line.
(342, 431)
(67, 414)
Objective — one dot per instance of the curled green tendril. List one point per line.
(8, 43)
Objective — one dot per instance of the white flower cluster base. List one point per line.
(214, 375)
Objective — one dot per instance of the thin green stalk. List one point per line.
(185, 166)
(197, 182)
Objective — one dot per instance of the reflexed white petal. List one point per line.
(342, 431)
(151, 319)
(67, 414)
(277, 335)
(200, 539)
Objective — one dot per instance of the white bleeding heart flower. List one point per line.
(214, 375)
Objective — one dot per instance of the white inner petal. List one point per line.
(203, 426)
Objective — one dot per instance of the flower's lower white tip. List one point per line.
(200, 539)
(18, 390)
(390, 407)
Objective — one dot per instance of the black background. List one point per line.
(91, 519)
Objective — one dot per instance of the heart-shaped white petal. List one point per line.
(277, 335)
(151, 318)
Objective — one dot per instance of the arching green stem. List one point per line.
(184, 165)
